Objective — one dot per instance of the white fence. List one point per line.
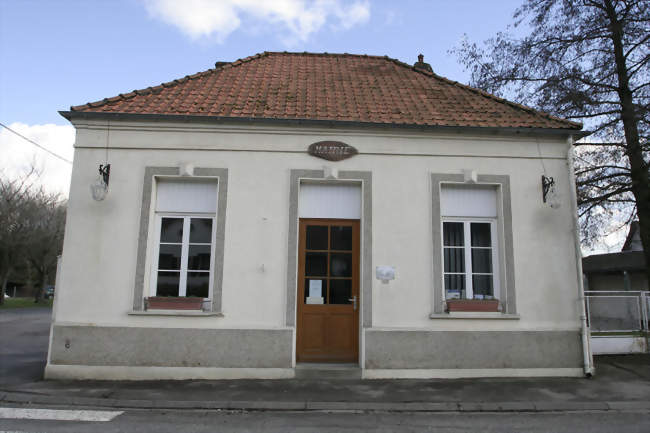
(618, 321)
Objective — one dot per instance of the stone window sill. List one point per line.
(474, 315)
(182, 313)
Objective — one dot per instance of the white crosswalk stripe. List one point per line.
(58, 415)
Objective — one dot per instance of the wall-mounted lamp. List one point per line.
(99, 188)
(549, 195)
(385, 273)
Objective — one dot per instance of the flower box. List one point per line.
(473, 305)
(174, 303)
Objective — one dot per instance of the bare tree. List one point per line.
(47, 224)
(31, 228)
(585, 60)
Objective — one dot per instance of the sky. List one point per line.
(58, 53)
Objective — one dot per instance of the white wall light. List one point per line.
(385, 273)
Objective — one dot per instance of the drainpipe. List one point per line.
(588, 360)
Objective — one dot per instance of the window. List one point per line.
(469, 256)
(183, 264)
(469, 247)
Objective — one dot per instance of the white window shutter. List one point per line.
(329, 201)
(186, 196)
(463, 201)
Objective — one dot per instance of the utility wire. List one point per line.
(36, 144)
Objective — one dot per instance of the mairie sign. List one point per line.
(331, 150)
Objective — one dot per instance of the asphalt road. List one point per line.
(24, 335)
(197, 421)
(23, 350)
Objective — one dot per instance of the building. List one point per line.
(624, 270)
(293, 207)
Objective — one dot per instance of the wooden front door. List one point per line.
(328, 291)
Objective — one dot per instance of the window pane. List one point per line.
(482, 285)
(167, 284)
(481, 235)
(316, 238)
(316, 289)
(198, 258)
(171, 230)
(454, 286)
(198, 284)
(454, 259)
(340, 265)
(482, 260)
(453, 234)
(340, 291)
(201, 230)
(316, 264)
(169, 257)
(341, 238)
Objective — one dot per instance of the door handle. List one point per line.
(354, 302)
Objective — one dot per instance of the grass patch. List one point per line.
(25, 303)
(618, 334)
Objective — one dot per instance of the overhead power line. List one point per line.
(35, 144)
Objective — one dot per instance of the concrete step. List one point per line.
(309, 370)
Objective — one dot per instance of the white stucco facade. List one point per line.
(96, 285)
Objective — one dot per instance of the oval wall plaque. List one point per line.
(331, 150)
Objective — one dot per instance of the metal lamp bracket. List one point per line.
(547, 183)
(105, 172)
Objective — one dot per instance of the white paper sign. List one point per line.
(315, 288)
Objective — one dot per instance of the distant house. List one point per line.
(624, 270)
(290, 208)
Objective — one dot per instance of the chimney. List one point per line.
(421, 65)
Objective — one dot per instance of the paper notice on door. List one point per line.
(315, 288)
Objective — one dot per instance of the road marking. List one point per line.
(58, 415)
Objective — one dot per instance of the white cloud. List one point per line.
(219, 18)
(18, 155)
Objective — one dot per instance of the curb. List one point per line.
(308, 406)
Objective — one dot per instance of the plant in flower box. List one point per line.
(480, 303)
(174, 303)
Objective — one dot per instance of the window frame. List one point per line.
(504, 241)
(145, 245)
(185, 244)
(467, 254)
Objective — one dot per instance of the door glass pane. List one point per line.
(198, 258)
(316, 264)
(481, 235)
(315, 290)
(316, 238)
(453, 234)
(454, 259)
(340, 291)
(341, 265)
(169, 257)
(201, 230)
(482, 260)
(482, 285)
(198, 284)
(341, 238)
(454, 286)
(167, 284)
(171, 230)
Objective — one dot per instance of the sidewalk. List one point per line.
(621, 383)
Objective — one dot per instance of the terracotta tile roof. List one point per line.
(332, 87)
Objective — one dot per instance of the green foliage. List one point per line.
(25, 303)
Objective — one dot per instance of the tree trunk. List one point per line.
(3, 289)
(633, 150)
(40, 291)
